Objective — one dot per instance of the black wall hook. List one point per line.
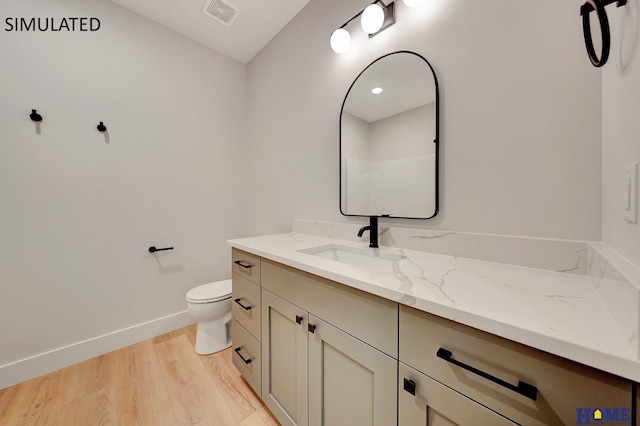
(101, 127)
(598, 7)
(35, 116)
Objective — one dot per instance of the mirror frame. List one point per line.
(436, 140)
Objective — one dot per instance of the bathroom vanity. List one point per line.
(325, 335)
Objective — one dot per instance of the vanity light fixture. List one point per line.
(374, 19)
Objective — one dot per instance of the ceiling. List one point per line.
(255, 25)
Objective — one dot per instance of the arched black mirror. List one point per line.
(389, 140)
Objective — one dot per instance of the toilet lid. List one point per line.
(210, 292)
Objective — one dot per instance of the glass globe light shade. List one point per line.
(413, 3)
(340, 40)
(372, 18)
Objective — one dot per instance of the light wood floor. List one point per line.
(158, 382)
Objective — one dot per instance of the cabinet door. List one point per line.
(284, 360)
(424, 401)
(350, 382)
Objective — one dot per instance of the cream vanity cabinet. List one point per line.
(322, 353)
(524, 385)
(314, 371)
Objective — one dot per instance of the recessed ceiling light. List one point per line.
(376, 90)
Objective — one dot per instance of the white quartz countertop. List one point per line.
(555, 312)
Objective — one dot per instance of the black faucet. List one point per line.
(373, 231)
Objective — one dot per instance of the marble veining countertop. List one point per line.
(555, 312)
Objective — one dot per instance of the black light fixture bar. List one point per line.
(389, 16)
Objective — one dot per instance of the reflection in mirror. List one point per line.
(389, 140)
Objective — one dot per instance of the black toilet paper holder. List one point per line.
(152, 249)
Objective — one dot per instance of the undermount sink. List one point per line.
(362, 257)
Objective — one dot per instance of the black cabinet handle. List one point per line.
(246, 361)
(152, 249)
(410, 386)
(244, 264)
(246, 308)
(311, 328)
(523, 388)
(299, 319)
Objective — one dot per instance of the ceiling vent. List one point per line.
(222, 11)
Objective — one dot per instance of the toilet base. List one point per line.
(213, 336)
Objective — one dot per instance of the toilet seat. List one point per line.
(210, 292)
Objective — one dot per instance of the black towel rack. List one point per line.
(585, 11)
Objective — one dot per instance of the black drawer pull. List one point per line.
(243, 264)
(246, 308)
(299, 319)
(246, 361)
(311, 328)
(523, 388)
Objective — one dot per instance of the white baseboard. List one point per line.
(47, 362)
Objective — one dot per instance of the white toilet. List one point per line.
(210, 306)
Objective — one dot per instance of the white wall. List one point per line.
(521, 119)
(78, 213)
(621, 126)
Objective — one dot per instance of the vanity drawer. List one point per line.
(246, 346)
(372, 319)
(563, 386)
(246, 265)
(246, 304)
